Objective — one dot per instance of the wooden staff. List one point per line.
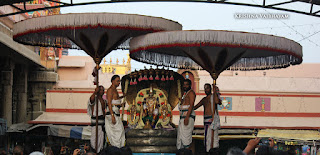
(214, 106)
(97, 82)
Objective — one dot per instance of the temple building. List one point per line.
(251, 99)
(44, 88)
(26, 72)
(117, 68)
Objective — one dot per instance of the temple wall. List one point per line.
(282, 110)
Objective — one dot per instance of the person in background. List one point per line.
(263, 149)
(235, 151)
(3, 151)
(18, 150)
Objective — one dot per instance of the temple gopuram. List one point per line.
(120, 69)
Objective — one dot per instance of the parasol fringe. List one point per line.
(245, 64)
(212, 38)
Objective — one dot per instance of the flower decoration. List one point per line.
(171, 78)
(135, 82)
(161, 95)
(139, 103)
(145, 78)
(157, 78)
(163, 79)
(141, 94)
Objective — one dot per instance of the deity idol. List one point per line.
(150, 109)
(133, 116)
(164, 118)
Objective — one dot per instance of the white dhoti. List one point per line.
(184, 138)
(101, 138)
(101, 121)
(209, 127)
(115, 132)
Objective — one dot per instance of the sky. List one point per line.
(303, 29)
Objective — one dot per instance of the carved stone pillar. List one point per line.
(7, 82)
(21, 85)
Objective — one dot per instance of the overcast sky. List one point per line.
(303, 29)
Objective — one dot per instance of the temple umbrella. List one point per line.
(216, 51)
(95, 33)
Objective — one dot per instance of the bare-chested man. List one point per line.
(114, 126)
(91, 110)
(187, 116)
(210, 124)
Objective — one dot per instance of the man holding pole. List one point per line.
(92, 111)
(211, 118)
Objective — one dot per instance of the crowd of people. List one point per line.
(253, 148)
(56, 150)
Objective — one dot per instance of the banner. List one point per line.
(263, 104)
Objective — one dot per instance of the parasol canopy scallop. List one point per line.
(95, 33)
(215, 51)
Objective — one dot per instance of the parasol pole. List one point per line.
(214, 77)
(97, 86)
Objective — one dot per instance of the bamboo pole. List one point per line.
(97, 82)
(214, 76)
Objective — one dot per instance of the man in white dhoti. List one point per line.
(187, 117)
(114, 126)
(211, 125)
(91, 110)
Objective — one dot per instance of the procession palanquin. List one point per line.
(151, 95)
